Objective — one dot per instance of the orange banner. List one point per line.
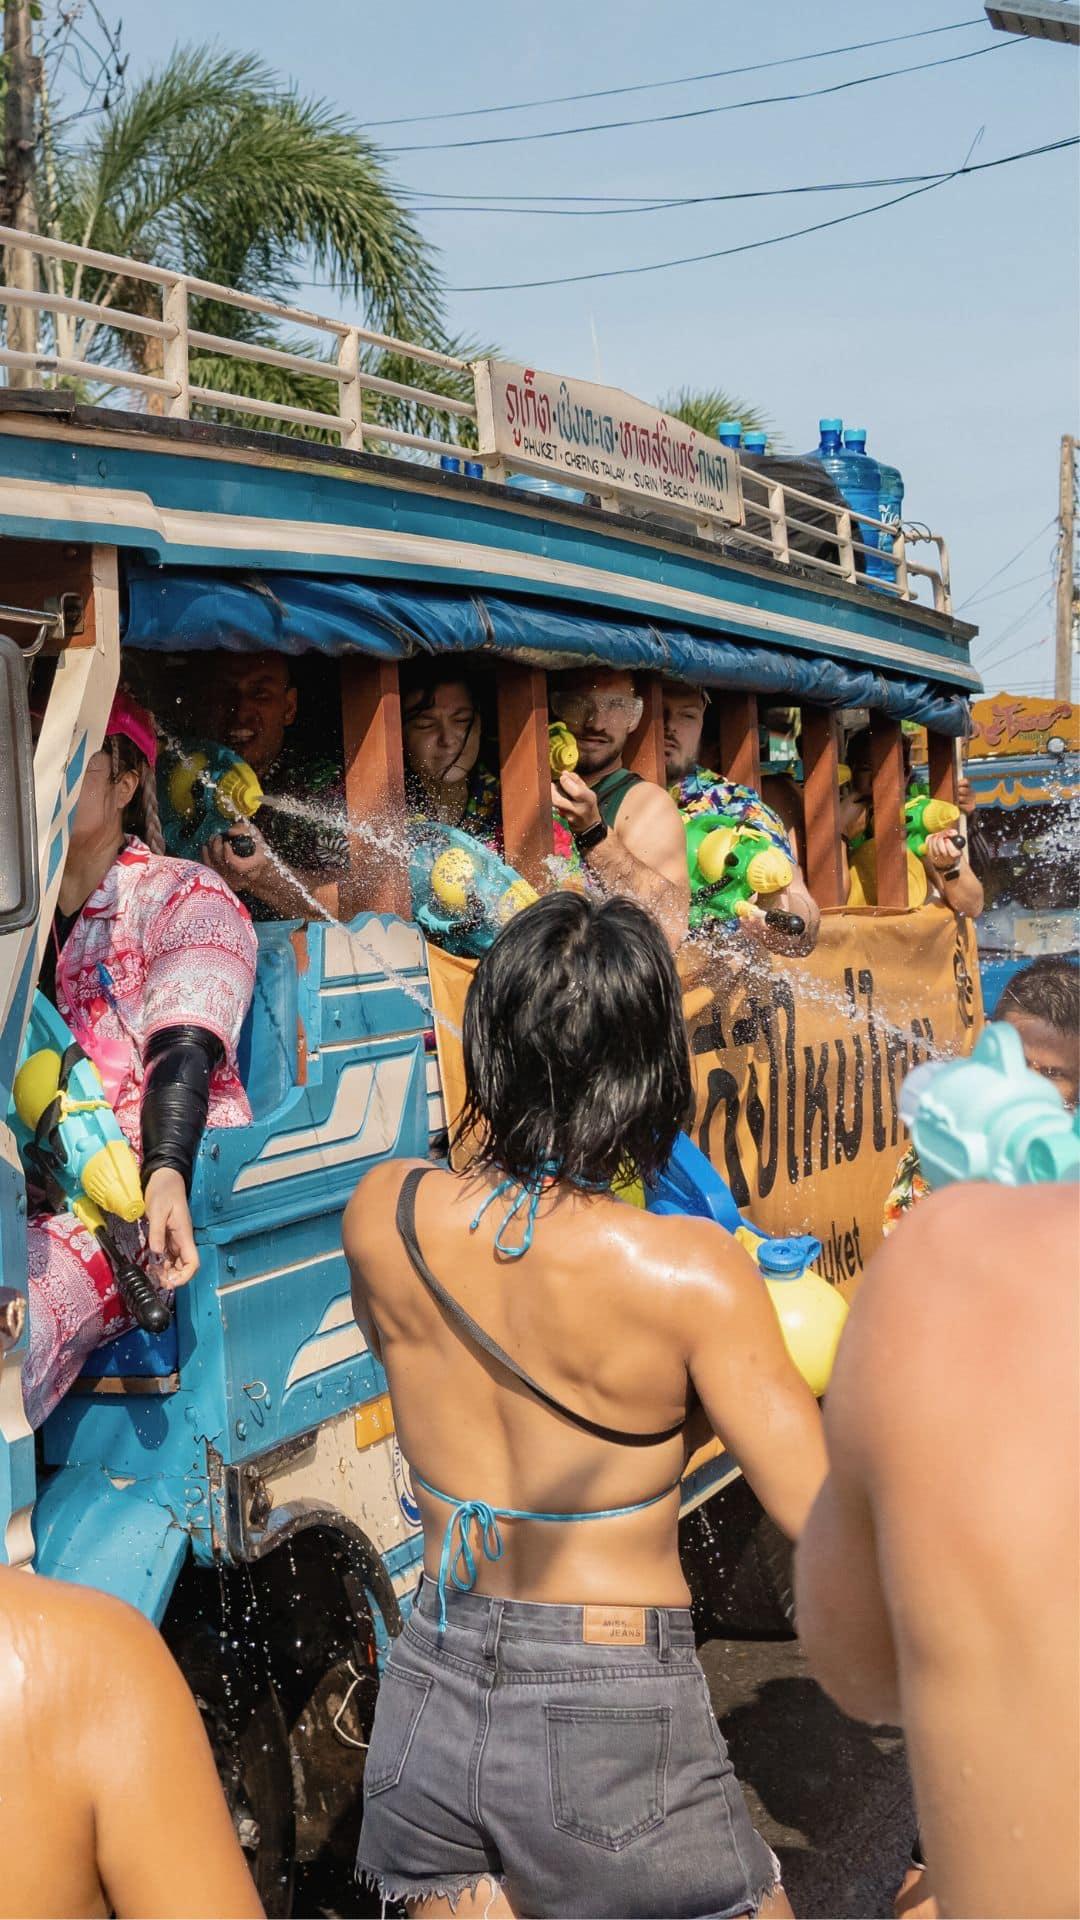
(798, 1064)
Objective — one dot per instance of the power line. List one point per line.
(981, 599)
(689, 200)
(1000, 640)
(685, 80)
(700, 113)
(751, 246)
(998, 571)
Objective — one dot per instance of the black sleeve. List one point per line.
(178, 1062)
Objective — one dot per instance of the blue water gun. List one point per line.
(462, 893)
(205, 789)
(73, 1151)
(811, 1312)
(990, 1117)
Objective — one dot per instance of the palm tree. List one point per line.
(216, 167)
(706, 408)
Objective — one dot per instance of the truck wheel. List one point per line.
(739, 1567)
(250, 1743)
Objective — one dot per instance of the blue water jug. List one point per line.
(890, 498)
(729, 433)
(857, 479)
(755, 442)
(868, 482)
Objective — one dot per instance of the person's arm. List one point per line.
(757, 1402)
(164, 1837)
(374, 1198)
(950, 872)
(290, 891)
(645, 856)
(178, 1062)
(797, 899)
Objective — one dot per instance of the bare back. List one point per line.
(611, 1311)
(110, 1801)
(938, 1575)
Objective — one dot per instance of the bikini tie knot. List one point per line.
(459, 1567)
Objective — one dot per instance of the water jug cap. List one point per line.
(755, 439)
(787, 1259)
(854, 433)
(730, 426)
(830, 426)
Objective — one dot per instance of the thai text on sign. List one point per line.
(603, 440)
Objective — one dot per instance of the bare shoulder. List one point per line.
(648, 803)
(709, 1268)
(374, 1202)
(84, 1636)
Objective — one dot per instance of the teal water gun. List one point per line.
(731, 867)
(205, 789)
(72, 1149)
(462, 893)
(924, 816)
(990, 1117)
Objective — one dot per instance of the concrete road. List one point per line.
(831, 1797)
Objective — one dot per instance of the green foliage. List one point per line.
(215, 167)
(704, 409)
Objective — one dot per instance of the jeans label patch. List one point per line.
(613, 1626)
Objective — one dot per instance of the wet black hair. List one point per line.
(1048, 990)
(426, 676)
(576, 1056)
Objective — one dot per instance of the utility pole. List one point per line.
(20, 206)
(1066, 580)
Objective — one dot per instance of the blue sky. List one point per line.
(947, 326)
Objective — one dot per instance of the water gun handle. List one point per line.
(791, 923)
(242, 845)
(139, 1295)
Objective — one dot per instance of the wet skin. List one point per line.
(937, 1576)
(691, 1314)
(111, 1801)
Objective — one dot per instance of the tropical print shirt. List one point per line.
(907, 1189)
(704, 792)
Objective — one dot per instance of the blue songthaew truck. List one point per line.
(238, 1478)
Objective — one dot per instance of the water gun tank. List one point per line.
(204, 789)
(990, 1117)
(810, 1312)
(462, 893)
(857, 478)
(890, 499)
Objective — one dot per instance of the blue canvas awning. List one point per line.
(170, 609)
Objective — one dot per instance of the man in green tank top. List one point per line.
(626, 829)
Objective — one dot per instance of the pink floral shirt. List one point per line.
(160, 943)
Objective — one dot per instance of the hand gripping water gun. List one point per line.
(924, 816)
(462, 893)
(562, 749)
(731, 867)
(205, 789)
(810, 1311)
(72, 1147)
(990, 1117)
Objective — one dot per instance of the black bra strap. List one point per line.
(406, 1226)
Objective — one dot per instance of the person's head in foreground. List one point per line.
(576, 1059)
(601, 706)
(684, 717)
(1042, 1002)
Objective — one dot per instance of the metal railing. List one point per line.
(89, 339)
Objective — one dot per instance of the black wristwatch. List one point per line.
(592, 836)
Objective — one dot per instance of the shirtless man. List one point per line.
(937, 1575)
(694, 789)
(551, 1639)
(627, 830)
(110, 1800)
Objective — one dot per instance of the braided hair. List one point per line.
(141, 816)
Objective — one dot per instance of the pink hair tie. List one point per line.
(127, 717)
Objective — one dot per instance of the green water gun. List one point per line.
(730, 867)
(924, 816)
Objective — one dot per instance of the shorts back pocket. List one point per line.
(608, 1771)
(402, 1698)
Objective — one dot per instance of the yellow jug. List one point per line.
(810, 1312)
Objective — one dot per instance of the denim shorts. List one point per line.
(568, 1753)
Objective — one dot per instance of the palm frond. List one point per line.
(705, 408)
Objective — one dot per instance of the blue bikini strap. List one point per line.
(460, 1568)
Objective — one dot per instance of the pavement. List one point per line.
(831, 1797)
